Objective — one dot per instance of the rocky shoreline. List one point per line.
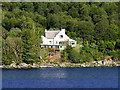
(101, 63)
(62, 65)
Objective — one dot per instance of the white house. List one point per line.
(56, 39)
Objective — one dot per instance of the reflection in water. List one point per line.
(53, 74)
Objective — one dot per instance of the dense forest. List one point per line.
(95, 25)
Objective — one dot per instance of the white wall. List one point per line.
(58, 38)
(48, 41)
(44, 39)
(72, 41)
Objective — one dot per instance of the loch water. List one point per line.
(97, 77)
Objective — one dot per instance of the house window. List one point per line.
(73, 43)
(60, 42)
(56, 42)
(61, 36)
(50, 42)
(60, 46)
(56, 47)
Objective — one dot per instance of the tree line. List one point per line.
(91, 22)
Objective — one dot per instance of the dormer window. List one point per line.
(61, 36)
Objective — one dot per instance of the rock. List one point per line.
(46, 66)
(41, 66)
(82, 65)
(29, 65)
(23, 65)
(118, 65)
(19, 67)
(34, 64)
(62, 65)
(87, 65)
(1, 67)
(98, 65)
(13, 65)
(55, 65)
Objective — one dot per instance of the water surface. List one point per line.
(61, 78)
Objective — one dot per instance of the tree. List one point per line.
(117, 46)
(73, 12)
(110, 45)
(64, 56)
(27, 6)
(84, 10)
(102, 46)
(6, 56)
(4, 33)
(112, 32)
(31, 43)
(15, 32)
(110, 8)
(74, 56)
(66, 53)
(14, 45)
(100, 30)
(86, 30)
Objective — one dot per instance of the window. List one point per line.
(73, 43)
(56, 42)
(50, 42)
(61, 36)
(60, 42)
(56, 47)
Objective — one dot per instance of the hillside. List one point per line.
(96, 23)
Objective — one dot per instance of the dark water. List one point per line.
(61, 78)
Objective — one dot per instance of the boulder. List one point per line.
(13, 65)
(99, 62)
(23, 65)
(62, 65)
(82, 65)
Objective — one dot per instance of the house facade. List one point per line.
(56, 39)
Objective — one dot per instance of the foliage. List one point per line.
(95, 22)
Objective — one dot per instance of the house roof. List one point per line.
(51, 34)
(71, 40)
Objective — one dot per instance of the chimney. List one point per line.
(63, 30)
(45, 30)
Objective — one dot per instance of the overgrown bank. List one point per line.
(71, 58)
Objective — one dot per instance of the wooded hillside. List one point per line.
(24, 23)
